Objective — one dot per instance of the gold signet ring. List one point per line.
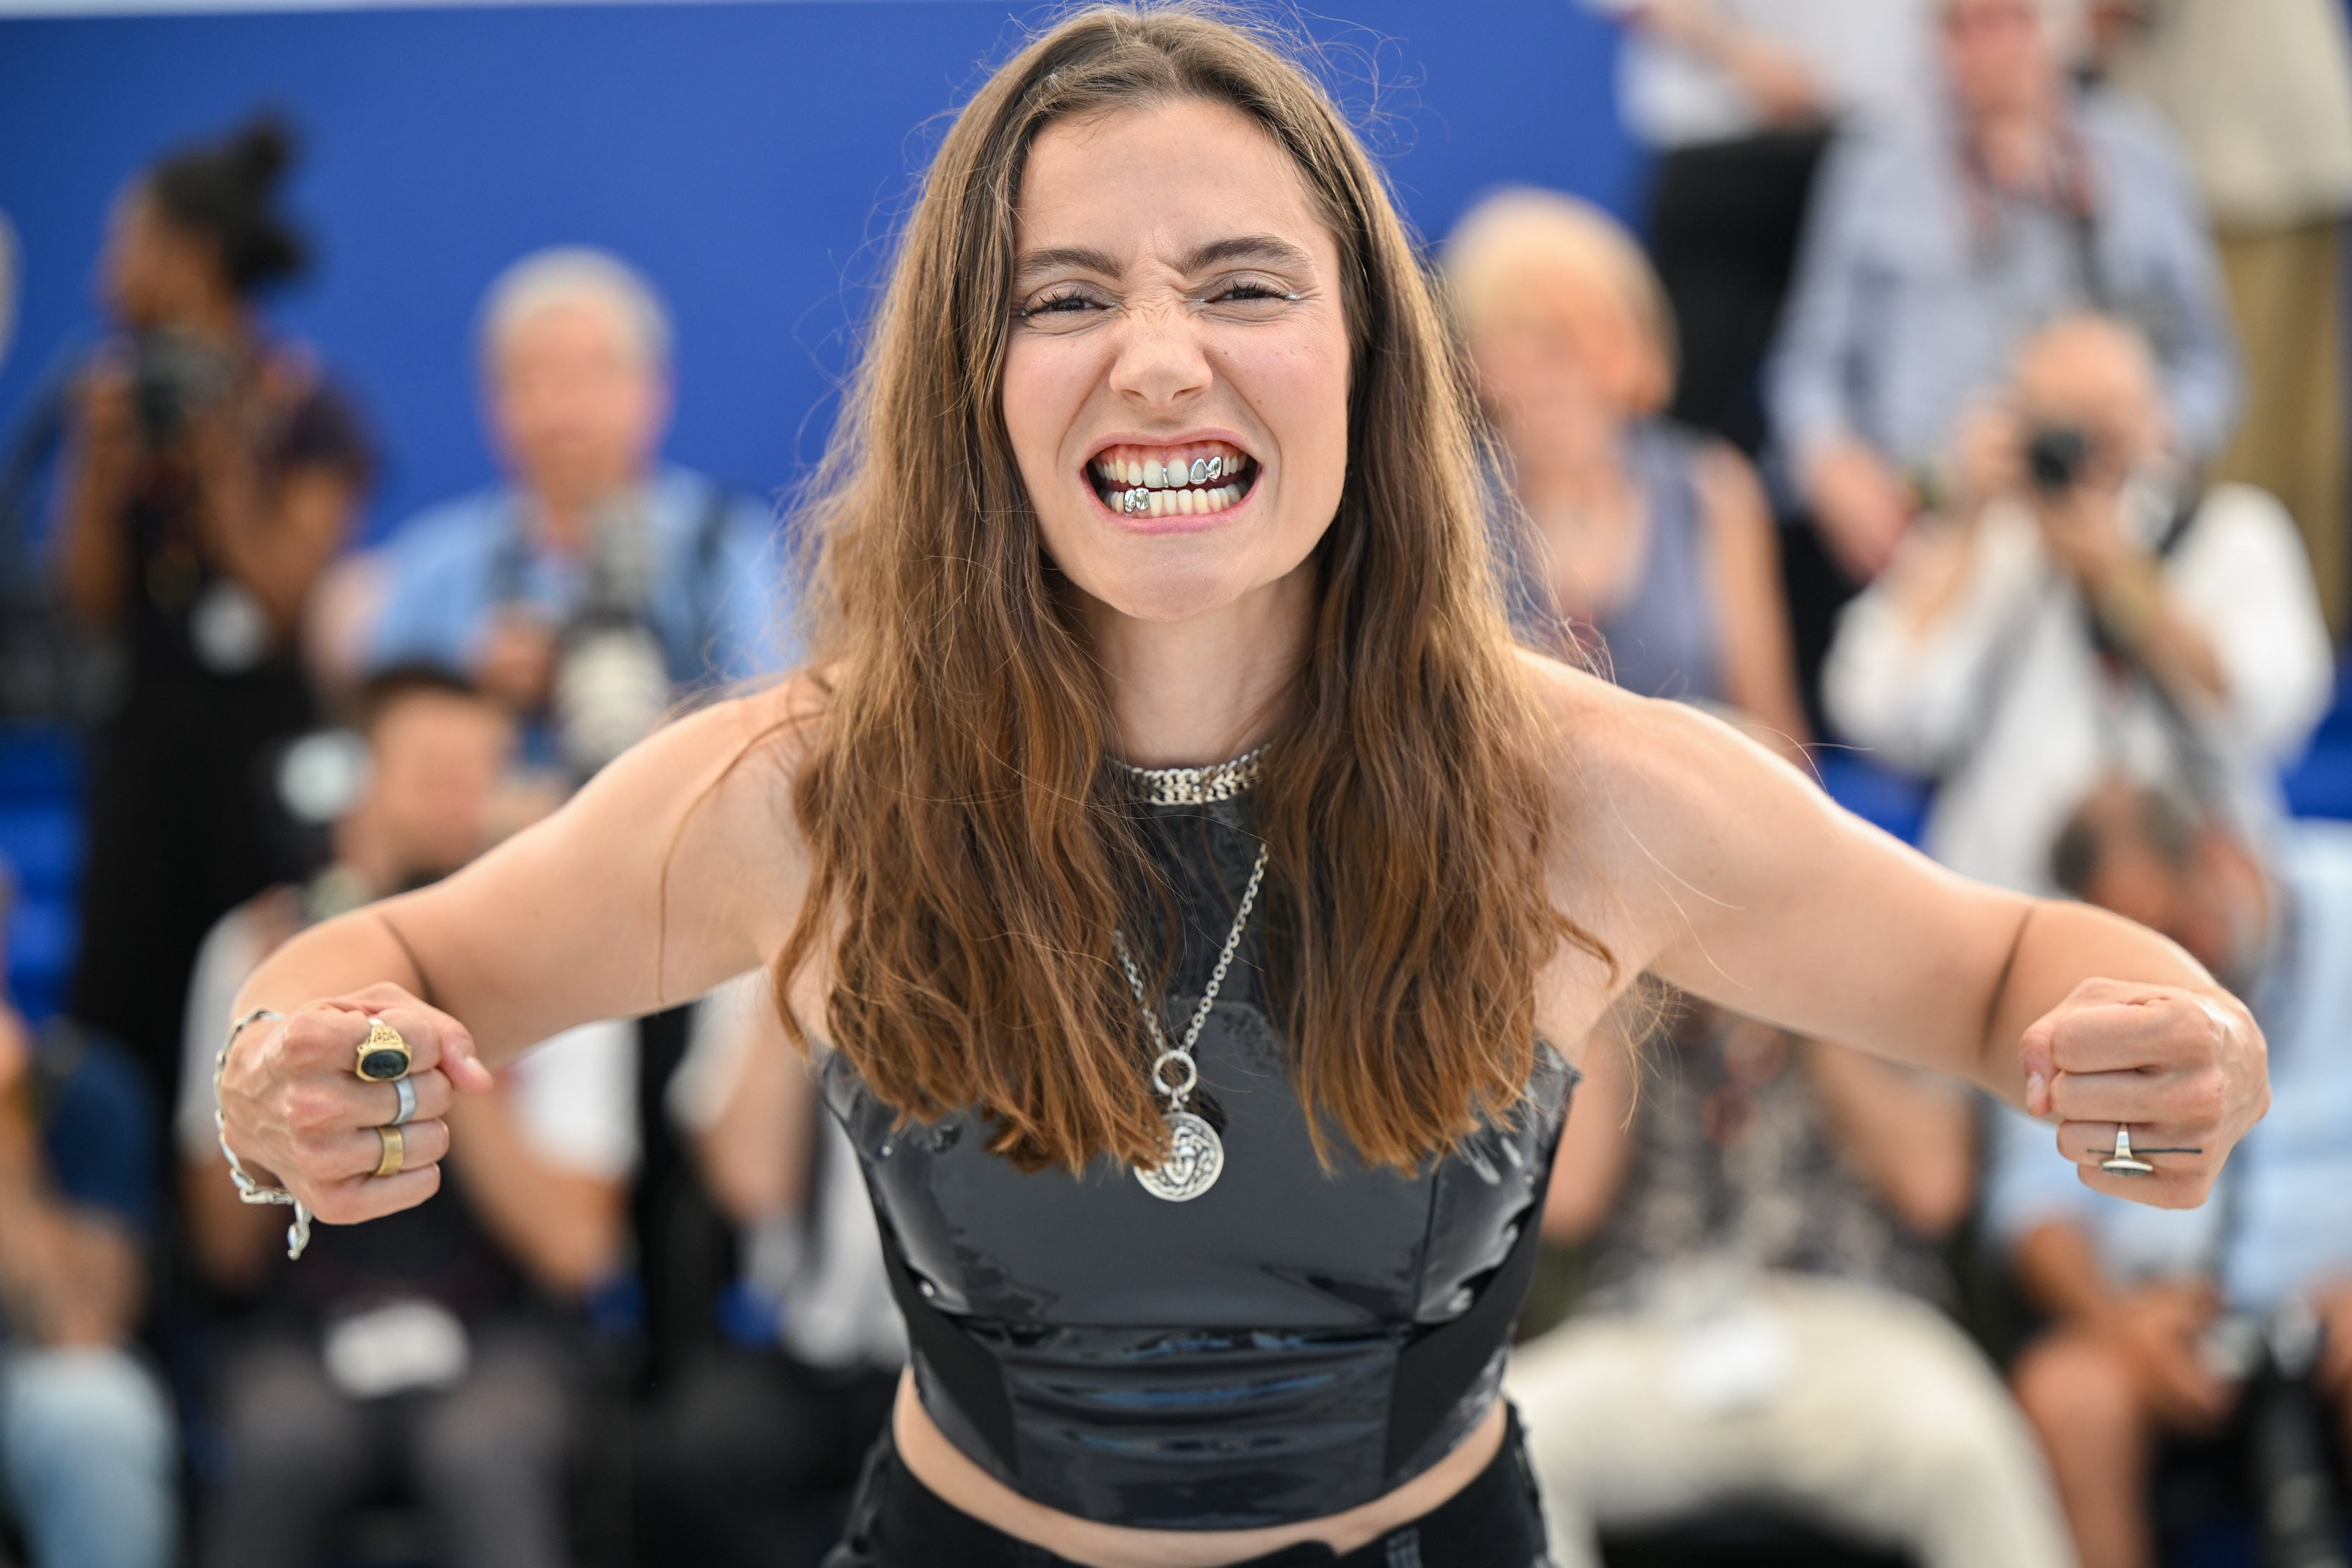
(383, 1055)
(2124, 1164)
(395, 1151)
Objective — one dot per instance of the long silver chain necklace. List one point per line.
(1196, 1156)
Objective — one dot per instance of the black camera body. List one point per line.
(2055, 457)
(174, 377)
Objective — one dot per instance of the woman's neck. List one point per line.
(1198, 691)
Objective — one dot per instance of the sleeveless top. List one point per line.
(1662, 638)
(1291, 1343)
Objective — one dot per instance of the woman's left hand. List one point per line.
(2185, 1071)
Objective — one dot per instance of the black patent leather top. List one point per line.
(1249, 1358)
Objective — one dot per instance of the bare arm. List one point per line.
(755, 1154)
(1745, 885)
(68, 1276)
(562, 1226)
(674, 869)
(1594, 1147)
(1759, 665)
(93, 489)
(1914, 1143)
(275, 535)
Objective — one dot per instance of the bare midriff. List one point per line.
(952, 1475)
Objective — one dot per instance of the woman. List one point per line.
(1159, 457)
(1649, 538)
(213, 475)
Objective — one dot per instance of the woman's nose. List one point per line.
(1163, 355)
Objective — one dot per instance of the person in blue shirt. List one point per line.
(596, 584)
(2144, 1302)
(1937, 243)
(88, 1456)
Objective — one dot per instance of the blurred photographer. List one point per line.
(211, 475)
(2236, 1319)
(596, 585)
(2084, 608)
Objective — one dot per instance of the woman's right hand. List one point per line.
(298, 1113)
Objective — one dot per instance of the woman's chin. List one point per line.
(1169, 597)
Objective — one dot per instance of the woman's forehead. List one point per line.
(1162, 183)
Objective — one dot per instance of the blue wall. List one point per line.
(748, 156)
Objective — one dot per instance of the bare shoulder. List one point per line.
(1664, 803)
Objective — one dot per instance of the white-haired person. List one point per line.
(1766, 1189)
(1652, 541)
(590, 531)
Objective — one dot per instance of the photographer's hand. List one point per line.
(1859, 506)
(2157, 1328)
(2124, 586)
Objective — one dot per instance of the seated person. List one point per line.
(87, 1448)
(1647, 539)
(1761, 1321)
(589, 532)
(2084, 608)
(2140, 1298)
(745, 1450)
(440, 1346)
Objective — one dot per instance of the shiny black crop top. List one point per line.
(1289, 1345)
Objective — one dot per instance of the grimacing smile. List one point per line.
(1192, 480)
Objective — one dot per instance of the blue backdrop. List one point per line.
(750, 157)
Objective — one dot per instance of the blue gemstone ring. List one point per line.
(383, 1055)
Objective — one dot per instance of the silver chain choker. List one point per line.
(1194, 786)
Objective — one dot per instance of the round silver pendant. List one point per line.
(1196, 1156)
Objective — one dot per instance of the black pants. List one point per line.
(1725, 221)
(1495, 1521)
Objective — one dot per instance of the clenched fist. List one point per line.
(297, 1112)
(2187, 1072)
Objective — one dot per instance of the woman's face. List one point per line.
(153, 272)
(1176, 377)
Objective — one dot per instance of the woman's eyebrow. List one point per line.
(1061, 259)
(1269, 249)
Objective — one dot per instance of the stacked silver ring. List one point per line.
(406, 1090)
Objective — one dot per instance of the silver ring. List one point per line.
(406, 1090)
(2122, 1163)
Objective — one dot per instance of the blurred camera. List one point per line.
(174, 377)
(612, 685)
(2055, 457)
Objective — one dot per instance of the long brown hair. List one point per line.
(971, 850)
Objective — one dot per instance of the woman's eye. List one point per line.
(1250, 298)
(1059, 309)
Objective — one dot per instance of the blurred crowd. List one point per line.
(1971, 395)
